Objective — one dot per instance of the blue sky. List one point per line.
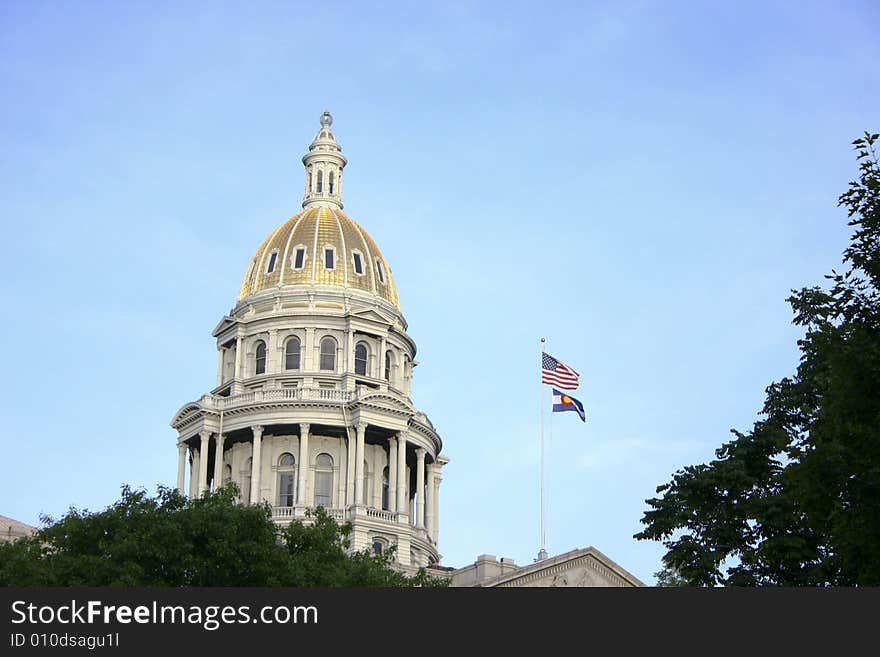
(642, 183)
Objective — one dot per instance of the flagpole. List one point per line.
(542, 553)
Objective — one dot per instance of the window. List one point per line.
(320, 181)
(299, 257)
(285, 479)
(331, 182)
(381, 272)
(310, 182)
(291, 354)
(377, 547)
(387, 365)
(360, 359)
(358, 263)
(272, 258)
(385, 489)
(260, 367)
(328, 354)
(328, 257)
(227, 474)
(323, 480)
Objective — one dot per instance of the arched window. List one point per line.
(387, 365)
(285, 479)
(260, 366)
(320, 181)
(385, 489)
(227, 474)
(377, 546)
(291, 354)
(323, 480)
(328, 354)
(360, 359)
(331, 182)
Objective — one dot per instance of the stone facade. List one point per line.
(11, 529)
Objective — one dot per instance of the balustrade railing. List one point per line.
(291, 512)
(283, 395)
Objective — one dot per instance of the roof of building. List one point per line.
(314, 230)
(321, 245)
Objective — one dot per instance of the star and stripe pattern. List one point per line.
(556, 373)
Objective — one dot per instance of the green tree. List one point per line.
(796, 500)
(169, 540)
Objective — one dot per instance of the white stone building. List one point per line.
(312, 400)
(314, 366)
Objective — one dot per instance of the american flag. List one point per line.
(557, 374)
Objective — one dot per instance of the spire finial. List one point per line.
(324, 163)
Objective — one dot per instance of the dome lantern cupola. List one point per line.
(324, 163)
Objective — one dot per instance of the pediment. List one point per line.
(224, 324)
(373, 315)
(387, 401)
(579, 568)
(186, 411)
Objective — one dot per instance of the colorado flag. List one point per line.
(564, 402)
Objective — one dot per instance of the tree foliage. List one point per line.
(170, 540)
(796, 500)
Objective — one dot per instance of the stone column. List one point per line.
(272, 360)
(392, 474)
(436, 507)
(255, 463)
(302, 474)
(349, 351)
(309, 365)
(349, 470)
(401, 473)
(194, 472)
(359, 464)
(376, 502)
(203, 461)
(420, 487)
(239, 357)
(220, 354)
(431, 497)
(181, 466)
(383, 347)
(218, 461)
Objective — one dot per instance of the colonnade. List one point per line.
(427, 474)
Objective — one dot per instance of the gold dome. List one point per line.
(295, 254)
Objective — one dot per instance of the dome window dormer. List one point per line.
(329, 257)
(381, 271)
(270, 266)
(358, 261)
(299, 257)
